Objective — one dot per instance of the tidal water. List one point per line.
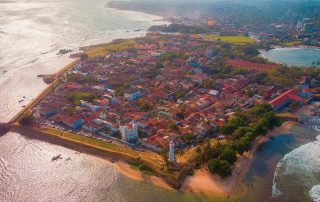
(285, 168)
(27, 173)
(300, 57)
(33, 31)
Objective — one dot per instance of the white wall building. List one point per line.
(129, 132)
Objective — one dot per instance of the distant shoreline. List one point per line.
(263, 53)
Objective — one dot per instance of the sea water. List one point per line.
(33, 31)
(296, 56)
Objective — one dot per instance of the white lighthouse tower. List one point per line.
(171, 152)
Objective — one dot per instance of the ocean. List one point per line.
(33, 31)
(27, 173)
(31, 34)
(294, 56)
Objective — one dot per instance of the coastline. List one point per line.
(122, 164)
(135, 174)
(202, 182)
(53, 64)
(266, 54)
(214, 185)
(207, 184)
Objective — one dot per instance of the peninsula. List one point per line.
(170, 104)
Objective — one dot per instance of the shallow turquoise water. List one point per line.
(294, 56)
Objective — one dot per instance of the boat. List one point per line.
(55, 158)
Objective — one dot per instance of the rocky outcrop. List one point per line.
(4, 128)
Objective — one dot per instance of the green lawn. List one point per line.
(91, 141)
(102, 50)
(147, 155)
(230, 39)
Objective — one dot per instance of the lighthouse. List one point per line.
(171, 152)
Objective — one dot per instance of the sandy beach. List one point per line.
(127, 170)
(205, 183)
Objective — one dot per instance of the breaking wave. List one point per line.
(314, 193)
(302, 166)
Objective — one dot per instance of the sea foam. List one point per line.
(314, 193)
(303, 162)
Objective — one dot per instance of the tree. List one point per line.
(242, 145)
(159, 66)
(239, 132)
(25, 119)
(221, 167)
(188, 138)
(228, 129)
(76, 97)
(144, 106)
(229, 155)
(250, 50)
(237, 121)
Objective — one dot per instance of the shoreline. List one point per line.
(203, 182)
(289, 47)
(52, 62)
(121, 165)
(207, 184)
(264, 54)
(215, 186)
(135, 174)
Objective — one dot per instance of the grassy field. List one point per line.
(91, 141)
(230, 39)
(292, 44)
(147, 155)
(102, 50)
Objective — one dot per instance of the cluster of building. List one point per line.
(152, 94)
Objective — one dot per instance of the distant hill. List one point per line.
(254, 13)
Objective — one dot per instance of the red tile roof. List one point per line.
(251, 65)
(290, 94)
(72, 86)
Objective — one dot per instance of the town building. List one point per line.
(285, 99)
(129, 132)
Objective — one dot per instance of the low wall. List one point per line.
(171, 179)
(45, 92)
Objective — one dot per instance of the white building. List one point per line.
(171, 152)
(129, 132)
(133, 95)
